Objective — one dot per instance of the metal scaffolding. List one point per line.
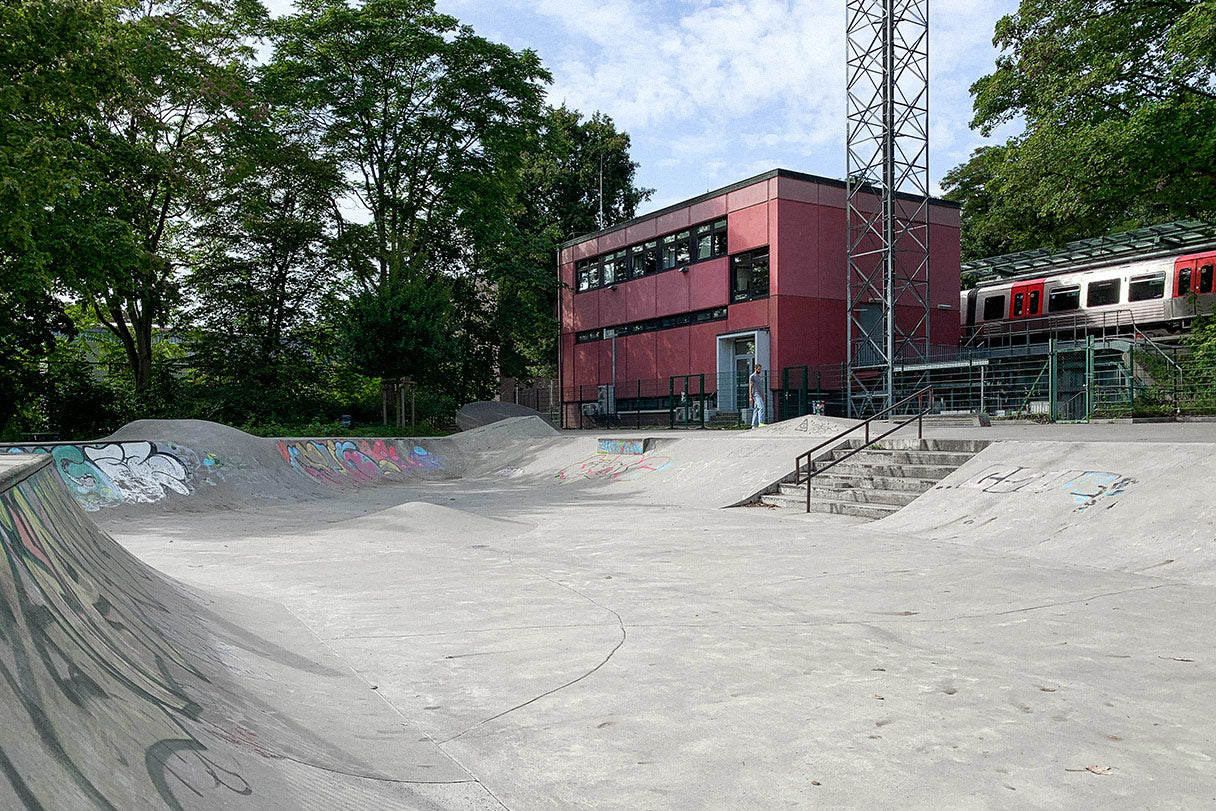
(888, 195)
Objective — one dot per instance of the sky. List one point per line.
(714, 91)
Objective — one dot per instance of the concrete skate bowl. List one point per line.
(124, 689)
(1133, 507)
(194, 465)
(154, 466)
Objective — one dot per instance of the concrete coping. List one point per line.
(17, 467)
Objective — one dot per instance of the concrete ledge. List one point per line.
(632, 447)
(17, 467)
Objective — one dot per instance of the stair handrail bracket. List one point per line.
(924, 404)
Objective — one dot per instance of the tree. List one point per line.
(578, 177)
(149, 162)
(1119, 103)
(270, 260)
(427, 117)
(59, 60)
(430, 121)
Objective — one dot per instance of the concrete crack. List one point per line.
(624, 635)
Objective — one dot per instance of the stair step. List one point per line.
(874, 511)
(831, 479)
(864, 495)
(858, 508)
(882, 456)
(953, 445)
(860, 469)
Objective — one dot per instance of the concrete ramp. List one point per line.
(1134, 507)
(123, 689)
(195, 466)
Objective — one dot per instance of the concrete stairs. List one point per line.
(878, 480)
(724, 419)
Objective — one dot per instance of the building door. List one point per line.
(738, 353)
(745, 361)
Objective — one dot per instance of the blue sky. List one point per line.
(713, 91)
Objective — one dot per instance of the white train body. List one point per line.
(1148, 296)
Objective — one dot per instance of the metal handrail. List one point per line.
(812, 471)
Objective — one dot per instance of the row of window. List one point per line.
(688, 247)
(652, 325)
(1066, 299)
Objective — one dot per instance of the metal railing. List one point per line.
(811, 471)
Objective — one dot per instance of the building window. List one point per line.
(1144, 288)
(1063, 299)
(1100, 294)
(652, 325)
(699, 244)
(749, 275)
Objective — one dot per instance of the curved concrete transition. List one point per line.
(477, 415)
(512, 617)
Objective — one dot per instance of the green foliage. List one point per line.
(402, 329)
(563, 171)
(1119, 103)
(58, 60)
(427, 115)
(176, 228)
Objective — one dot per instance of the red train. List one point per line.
(1155, 297)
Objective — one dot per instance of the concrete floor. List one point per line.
(592, 647)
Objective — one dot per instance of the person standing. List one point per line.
(755, 391)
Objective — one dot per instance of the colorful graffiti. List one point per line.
(635, 447)
(614, 467)
(1086, 487)
(340, 461)
(106, 474)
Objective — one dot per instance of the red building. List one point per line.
(753, 272)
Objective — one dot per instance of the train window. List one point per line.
(1018, 298)
(1063, 299)
(994, 308)
(1143, 288)
(1184, 280)
(1099, 294)
(1032, 303)
(1205, 279)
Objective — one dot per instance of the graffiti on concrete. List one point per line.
(614, 467)
(109, 473)
(340, 461)
(635, 447)
(1087, 488)
(817, 427)
(508, 472)
(87, 671)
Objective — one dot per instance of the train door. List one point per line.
(1026, 300)
(1184, 277)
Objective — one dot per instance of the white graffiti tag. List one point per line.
(139, 470)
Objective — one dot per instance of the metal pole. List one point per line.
(888, 191)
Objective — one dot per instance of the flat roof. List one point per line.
(824, 181)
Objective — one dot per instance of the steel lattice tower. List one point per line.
(888, 195)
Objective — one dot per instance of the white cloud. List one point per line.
(712, 91)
